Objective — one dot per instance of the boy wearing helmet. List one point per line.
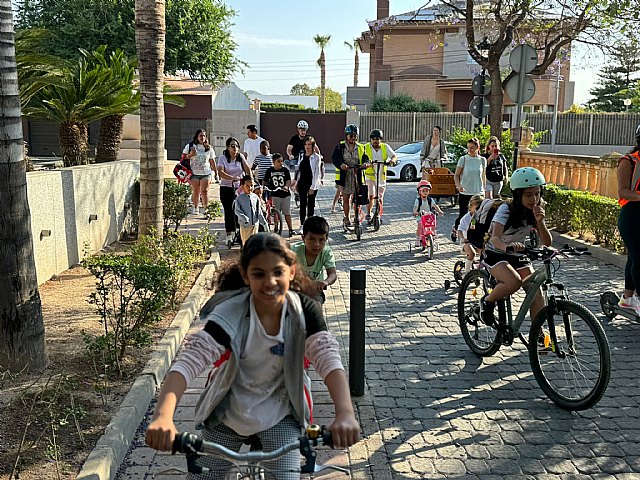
(377, 151)
(510, 227)
(347, 155)
(424, 203)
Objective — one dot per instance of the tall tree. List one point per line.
(22, 339)
(198, 40)
(354, 46)
(150, 43)
(550, 26)
(301, 89)
(322, 41)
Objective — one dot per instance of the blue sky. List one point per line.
(275, 37)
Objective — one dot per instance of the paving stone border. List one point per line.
(105, 459)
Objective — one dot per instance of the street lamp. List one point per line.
(627, 102)
(483, 46)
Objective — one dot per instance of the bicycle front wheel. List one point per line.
(430, 246)
(574, 370)
(277, 221)
(481, 338)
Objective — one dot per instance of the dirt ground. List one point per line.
(52, 420)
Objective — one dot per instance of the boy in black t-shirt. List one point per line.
(278, 181)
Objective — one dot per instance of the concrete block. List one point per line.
(140, 395)
(100, 465)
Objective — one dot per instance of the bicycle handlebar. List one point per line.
(545, 253)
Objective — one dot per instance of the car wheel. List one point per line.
(408, 173)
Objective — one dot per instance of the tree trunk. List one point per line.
(110, 138)
(22, 341)
(496, 98)
(356, 68)
(72, 144)
(150, 45)
(322, 82)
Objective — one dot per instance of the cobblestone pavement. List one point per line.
(432, 409)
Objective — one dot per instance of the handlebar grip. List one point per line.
(510, 249)
(327, 439)
(186, 443)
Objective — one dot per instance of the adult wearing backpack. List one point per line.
(628, 224)
(497, 172)
(470, 180)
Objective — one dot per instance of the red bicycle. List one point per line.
(427, 227)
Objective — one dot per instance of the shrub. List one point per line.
(403, 103)
(174, 208)
(584, 213)
(130, 293)
(213, 210)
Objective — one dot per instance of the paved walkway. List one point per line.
(434, 410)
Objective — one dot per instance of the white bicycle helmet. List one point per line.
(526, 177)
(303, 124)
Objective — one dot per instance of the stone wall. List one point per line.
(78, 210)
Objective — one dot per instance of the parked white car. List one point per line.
(408, 166)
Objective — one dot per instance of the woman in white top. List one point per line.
(434, 151)
(470, 179)
(203, 163)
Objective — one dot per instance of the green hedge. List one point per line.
(584, 213)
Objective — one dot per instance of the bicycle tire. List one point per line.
(430, 246)
(458, 272)
(585, 328)
(277, 221)
(482, 339)
(358, 229)
(376, 223)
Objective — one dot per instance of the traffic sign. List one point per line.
(481, 85)
(520, 88)
(479, 107)
(523, 58)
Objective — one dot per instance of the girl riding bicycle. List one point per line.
(258, 331)
(424, 203)
(511, 225)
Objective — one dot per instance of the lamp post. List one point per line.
(627, 102)
(483, 46)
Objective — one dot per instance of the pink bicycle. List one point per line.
(427, 231)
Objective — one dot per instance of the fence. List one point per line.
(412, 127)
(573, 128)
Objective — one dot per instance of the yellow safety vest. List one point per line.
(360, 148)
(370, 172)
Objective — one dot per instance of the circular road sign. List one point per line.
(481, 85)
(520, 93)
(523, 58)
(477, 104)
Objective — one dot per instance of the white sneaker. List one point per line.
(201, 210)
(630, 303)
(192, 210)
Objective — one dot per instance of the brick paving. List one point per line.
(432, 409)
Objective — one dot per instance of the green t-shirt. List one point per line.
(324, 261)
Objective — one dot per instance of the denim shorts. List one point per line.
(201, 177)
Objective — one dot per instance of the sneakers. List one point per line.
(201, 210)
(192, 210)
(368, 217)
(454, 235)
(544, 342)
(487, 315)
(418, 242)
(347, 222)
(630, 303)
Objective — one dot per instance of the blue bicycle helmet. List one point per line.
(351, 129)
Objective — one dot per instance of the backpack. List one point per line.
(429, 203)
(182, 170)
(478, 233)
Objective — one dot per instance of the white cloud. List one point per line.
(246, 39)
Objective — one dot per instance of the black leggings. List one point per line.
(463, 201)
(307, 202)
(629, 227)
(227, 196)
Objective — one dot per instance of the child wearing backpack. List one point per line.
(510, 227)
(468, 248)
(424, 203)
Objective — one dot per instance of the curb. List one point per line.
(104, 460)
(597, 251)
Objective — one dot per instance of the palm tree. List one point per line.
(84, 92)
(150, 45)
(322, 41)
(355, 47)
(22, 341)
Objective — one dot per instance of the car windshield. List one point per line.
(410, 148)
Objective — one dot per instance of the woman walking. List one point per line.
(309, 179)
(232, 166)
(202, 159)
(434, 151)
(470, 180)
(497, 173)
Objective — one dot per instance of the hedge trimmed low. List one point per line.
(584, 213)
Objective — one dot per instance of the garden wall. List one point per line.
(77, 210)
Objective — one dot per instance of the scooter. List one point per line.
(376, 211)
(611, 309)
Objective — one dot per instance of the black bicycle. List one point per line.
(568, 348)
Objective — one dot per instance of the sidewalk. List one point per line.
(431, 408)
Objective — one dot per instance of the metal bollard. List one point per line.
(358, 285)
